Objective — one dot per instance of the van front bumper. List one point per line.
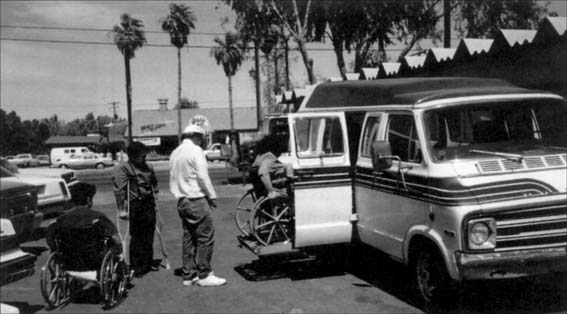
(511, 264)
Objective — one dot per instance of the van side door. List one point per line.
(322, 184)
(389, 203)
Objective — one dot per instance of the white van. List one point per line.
(59, 153)
(459, 178)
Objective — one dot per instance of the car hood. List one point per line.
(46, 172)
(15, 185)
(38, 180)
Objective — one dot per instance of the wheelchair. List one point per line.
(82, 256)
(267, 220)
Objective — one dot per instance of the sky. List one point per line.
(39, 79)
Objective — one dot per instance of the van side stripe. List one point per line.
(448, 191)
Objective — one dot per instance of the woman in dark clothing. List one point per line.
(133, 181)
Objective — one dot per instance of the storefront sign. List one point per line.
(149, 141)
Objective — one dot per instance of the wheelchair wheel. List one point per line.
(272, 221)
(112, 279)
(54, 282)
(243, 212)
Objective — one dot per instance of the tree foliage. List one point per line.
(129, 35)
(179, 23)
(185, 103)
(261, 21)
(483, 18)
(29, 136)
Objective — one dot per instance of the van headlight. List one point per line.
(482, 234)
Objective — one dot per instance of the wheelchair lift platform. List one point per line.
(266, 250)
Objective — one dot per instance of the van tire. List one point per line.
(434, 287)
(100, 166)
(63, 166)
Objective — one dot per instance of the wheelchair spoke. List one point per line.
(265, 213)
(271, 233)
(265, 224)
(284, 232)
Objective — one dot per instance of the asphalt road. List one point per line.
(340, 280)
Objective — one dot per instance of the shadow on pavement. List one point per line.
(544, 294)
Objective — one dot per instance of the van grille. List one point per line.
(529, 228)
(501, 165)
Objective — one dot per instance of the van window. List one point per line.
(403, 139)
(507, 126)
(317, 137)
(279, 128)
(370, 135)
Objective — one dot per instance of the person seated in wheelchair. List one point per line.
(83, 235)
(269, 176)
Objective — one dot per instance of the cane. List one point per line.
(124, 239)
(158, 229)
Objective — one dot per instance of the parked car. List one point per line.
(83, 161)
(53, 196)
(14, 263)
(18, 202)
(25, 160)
(10, 157)
(214, 152)
(43, 160)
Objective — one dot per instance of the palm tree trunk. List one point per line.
(258, 91)
(230, 105)
(128, 96)
(179, 95)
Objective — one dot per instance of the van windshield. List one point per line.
(508, 129)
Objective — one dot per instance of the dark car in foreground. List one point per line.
(18, 203)
(14, 263)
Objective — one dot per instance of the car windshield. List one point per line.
(509, 129)
(8, 166)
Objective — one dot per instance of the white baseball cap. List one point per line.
(193, 128)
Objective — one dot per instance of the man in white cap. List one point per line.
(189, 182)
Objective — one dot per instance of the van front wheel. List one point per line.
(63, 166)
(432, 280)
(100, 166)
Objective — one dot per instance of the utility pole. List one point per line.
(113, 104)
(447, 23)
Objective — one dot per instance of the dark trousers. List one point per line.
(142, 228)
(198, 237)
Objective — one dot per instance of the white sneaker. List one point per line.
(190, 282)
(211, 281)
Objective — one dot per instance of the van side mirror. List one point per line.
(381, 155)
(226, 150)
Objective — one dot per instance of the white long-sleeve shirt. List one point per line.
(189, 175)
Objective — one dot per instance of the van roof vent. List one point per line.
(554, 161)
(512, 165)
(490, 166)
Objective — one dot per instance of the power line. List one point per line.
(110, 30)
(56, 41)
(96, 29)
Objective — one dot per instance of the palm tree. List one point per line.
(179, 23)
(229, 53)
(129, 36)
